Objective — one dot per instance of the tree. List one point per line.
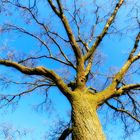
(71, 36)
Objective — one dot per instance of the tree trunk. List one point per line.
(86, 125)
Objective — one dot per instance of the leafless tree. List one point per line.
(68, 38)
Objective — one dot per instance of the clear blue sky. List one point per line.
(39, 123)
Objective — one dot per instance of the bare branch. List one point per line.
(88, 68)
(67, 27)
(135, 46)
(123, 111)
(15, 27)
(128, 87)
(131, 59)
(78, 28)
(65, 133)
(60, 6)
(39, 71)
(53, 7)
(49, 57)
(107, 25)
(34, 17)
(9, 98)
(112, 88)
(44, 43)
(62, 52)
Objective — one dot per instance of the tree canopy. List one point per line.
(89, 50)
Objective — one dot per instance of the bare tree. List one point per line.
(70, 33)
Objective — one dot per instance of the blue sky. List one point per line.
(38, 123)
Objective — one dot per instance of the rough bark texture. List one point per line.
(86, 125)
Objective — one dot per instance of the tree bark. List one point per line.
(86, 124)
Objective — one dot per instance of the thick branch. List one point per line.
(80, 80)
(65, 133)
(127, 88)
(111, 90)
(103, 33)
(118, 77)
(53, 7)
(88, 68)
(131, 59)
(60, 6)
(67, 27)
(21, 68)
(39, 71)
(135, 46)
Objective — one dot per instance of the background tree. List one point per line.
(73, 34)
